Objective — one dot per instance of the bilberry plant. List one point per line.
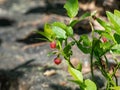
(101, 43)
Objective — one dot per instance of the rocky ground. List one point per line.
(24, 64)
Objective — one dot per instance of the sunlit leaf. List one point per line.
(117, 13)
(76, 74)
(68, 29)
(90, 85)
(115, 21)
(72, 7)
(48, 30)
(45, 35)
(60, 33)
(106, 25)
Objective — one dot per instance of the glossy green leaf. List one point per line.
(72, 7)
(59, 24)
(68, 29)
(115, 21)
(76, 74)
(90, 85)
(60, 33)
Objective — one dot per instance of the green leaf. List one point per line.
(48, 30)
(117, 13)
(84, 49)
(79, 67)
(105, 46)
(68, 29)
(101, 48)
(104, 24)
(115, 88)
(76, 74)
(45, 35)
(85, 15)
(74, 22)
(90, 85)
(82, 85)
(60, 33)
(116, 49)
(105, 34)
(85, 40)
(72, 7)
(117, 38)
(59, 24)
(99, 31)
(67, 50)
(115, 21)
(84, 44)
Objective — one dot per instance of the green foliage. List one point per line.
(85, 15)
(116, 49)
(67, 50)
(90, 85)
(77, 75)
(101, 43)
(84, 44)
(117, 13)
(107, 26)
(67, 29)
(115, 88)
(117, 38)
(72, 8)
(115, 21)
(59, 32)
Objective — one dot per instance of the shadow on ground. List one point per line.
(9, 78)
(32, 38)
(49, 9)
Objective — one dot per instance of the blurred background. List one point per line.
(24, 64)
